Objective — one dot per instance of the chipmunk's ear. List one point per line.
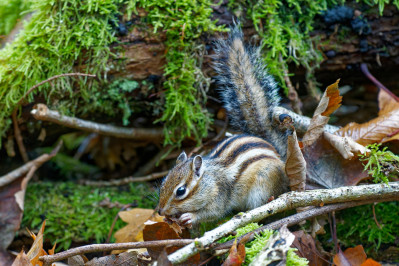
(197, 166)
(182, 158)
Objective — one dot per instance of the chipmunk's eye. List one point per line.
(180, 191)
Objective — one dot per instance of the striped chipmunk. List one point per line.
(244, 171)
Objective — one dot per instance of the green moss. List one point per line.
(59, 38)
(380, 164)
(72, 211)
(254, 247)
(183, 21)
(10, 12)
(294, 260)
(356, 226)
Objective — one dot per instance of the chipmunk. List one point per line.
(242, 172)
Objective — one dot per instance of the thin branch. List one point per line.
(48, 259)
(10, 177)
(379, 85)
(302, 216)
(42, 112)
(18, 137)
(288, 201)
(52, 78)
(126, 180)
(375, 216)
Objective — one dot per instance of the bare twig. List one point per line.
(52, 78)
(302, 216)
(288, 201)
(123, 181)
(10, 177)
(42, 112)
(48, 259)
(367, 73)
(375, 216)
(18, 137)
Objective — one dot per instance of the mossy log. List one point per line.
(343, 50)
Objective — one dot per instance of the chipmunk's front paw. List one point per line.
(187, 219)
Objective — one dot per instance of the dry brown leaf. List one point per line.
(10, 215)
(37, 247)
(351, 256)
(370, 262)
(159, 231)
(306, 247)
(335, 99)
(373, 131)
(295, 166)
(135, 218)
(326, 168)
(380, 129)
(346, 146)
(22, 260)
(329, 102)
(162, 231)
(236, 255)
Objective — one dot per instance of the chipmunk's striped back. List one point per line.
(240, 153)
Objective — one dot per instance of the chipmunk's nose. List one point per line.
(160, 211)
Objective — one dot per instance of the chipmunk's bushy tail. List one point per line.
(248, 91)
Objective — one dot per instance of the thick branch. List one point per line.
(126, 180)
(48, 259)
(302, 216)
(10, 177)
(42, 112)
(288, 201)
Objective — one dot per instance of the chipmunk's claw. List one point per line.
(186, 219)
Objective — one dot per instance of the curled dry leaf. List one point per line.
(162, 231)
(346, 146)
(295, 166)
(353, 256)
(236, 255)
(306, 247)
(383, 128)
(22, 260)
(135, 218)
(326, 168)
(330, 102)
